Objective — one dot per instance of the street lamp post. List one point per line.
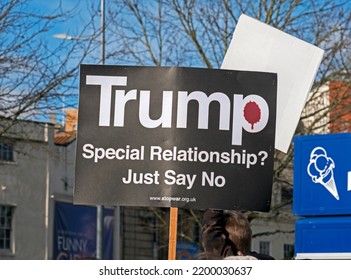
(99, 208)
(102, 31)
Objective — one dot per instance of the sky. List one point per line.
(72, 26)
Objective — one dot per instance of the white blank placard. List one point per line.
(256, 46)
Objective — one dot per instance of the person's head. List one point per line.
(226, 233)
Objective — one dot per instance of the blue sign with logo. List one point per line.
(322, 175)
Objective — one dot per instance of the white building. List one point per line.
(25, 167)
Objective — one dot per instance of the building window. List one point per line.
(6, 152)
(6, 217)
(288, 251)
(265, 247)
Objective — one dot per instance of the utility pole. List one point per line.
(100, 208)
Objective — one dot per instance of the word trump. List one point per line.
(250, 113)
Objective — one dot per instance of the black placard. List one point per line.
(175, 137)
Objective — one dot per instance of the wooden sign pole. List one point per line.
(172, 243)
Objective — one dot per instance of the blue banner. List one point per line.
(75, 232)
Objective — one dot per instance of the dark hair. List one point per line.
(225, 233)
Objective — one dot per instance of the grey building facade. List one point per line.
(25, 169)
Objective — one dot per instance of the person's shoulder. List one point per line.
(260, 256)
(247, 257)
